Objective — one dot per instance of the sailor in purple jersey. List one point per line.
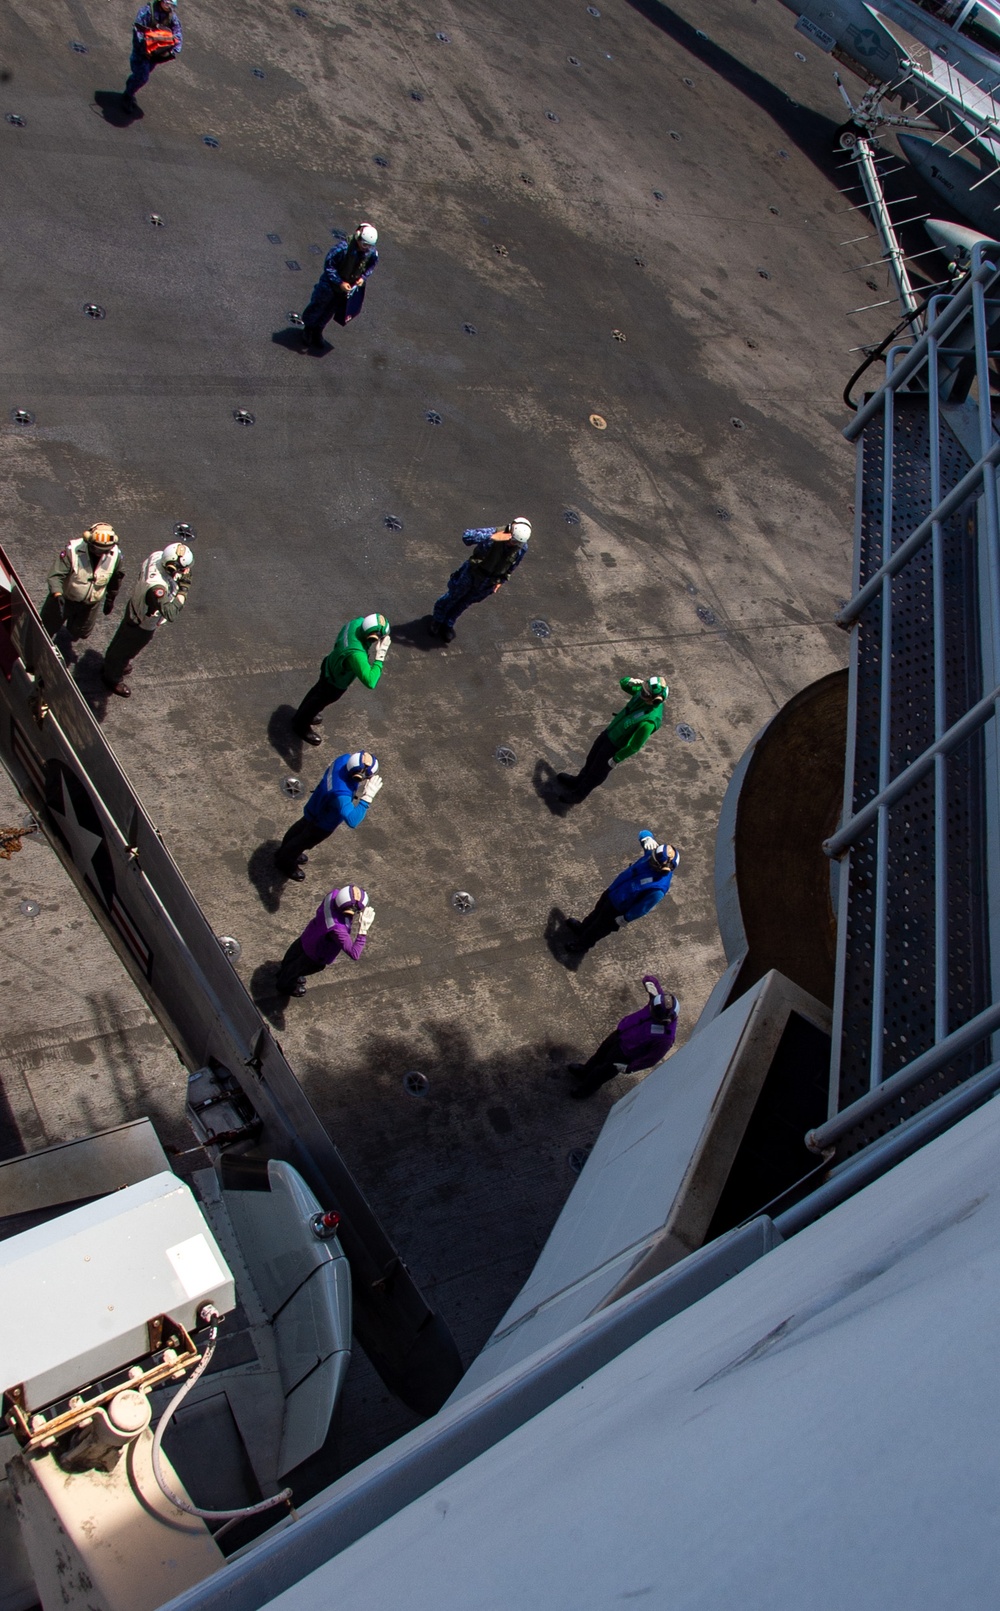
(325, 936)
(641, 1040)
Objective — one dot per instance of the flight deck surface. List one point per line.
(545, 181)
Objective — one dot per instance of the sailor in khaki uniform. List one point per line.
(87, 574)
(159, 596)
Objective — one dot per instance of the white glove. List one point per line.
(367, 919)
(370, 790)
(382, 647)
(647, 841)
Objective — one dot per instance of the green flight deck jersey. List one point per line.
(631, 726)
(348, 659)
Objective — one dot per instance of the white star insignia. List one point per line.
(83, 844)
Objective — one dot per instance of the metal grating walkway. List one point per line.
(917, 1000)
(910, 1000)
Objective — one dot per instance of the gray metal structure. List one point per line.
(290, 1347)
(96, 823)
(865, 159)
(104, 1218)
(92, 1281)
(917, 1004)
(921, 1226)
(650, 1190)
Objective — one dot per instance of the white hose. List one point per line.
(285, 1496)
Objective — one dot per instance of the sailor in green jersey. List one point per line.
(624, 735)
(357, 655)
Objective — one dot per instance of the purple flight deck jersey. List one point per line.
(642, 1041)
(326, 935)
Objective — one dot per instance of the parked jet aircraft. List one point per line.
(941, 58)
(965, 33)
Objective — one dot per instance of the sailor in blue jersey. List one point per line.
(341, 285)
(343, 794)
(630, 896)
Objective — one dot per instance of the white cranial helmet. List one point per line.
(667, 856)
(352, 898)
(367, 234)
(178, 554)
(520, 529)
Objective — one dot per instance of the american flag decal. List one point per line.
(8, 653)
(21, 746)
(130, 934)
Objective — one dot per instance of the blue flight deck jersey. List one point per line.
(332, 800)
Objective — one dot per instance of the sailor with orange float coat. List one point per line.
(156, 37)
(87, 574)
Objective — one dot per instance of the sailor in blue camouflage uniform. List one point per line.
(499, 550)
(341, 285)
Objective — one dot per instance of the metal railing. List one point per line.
(951, 360)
